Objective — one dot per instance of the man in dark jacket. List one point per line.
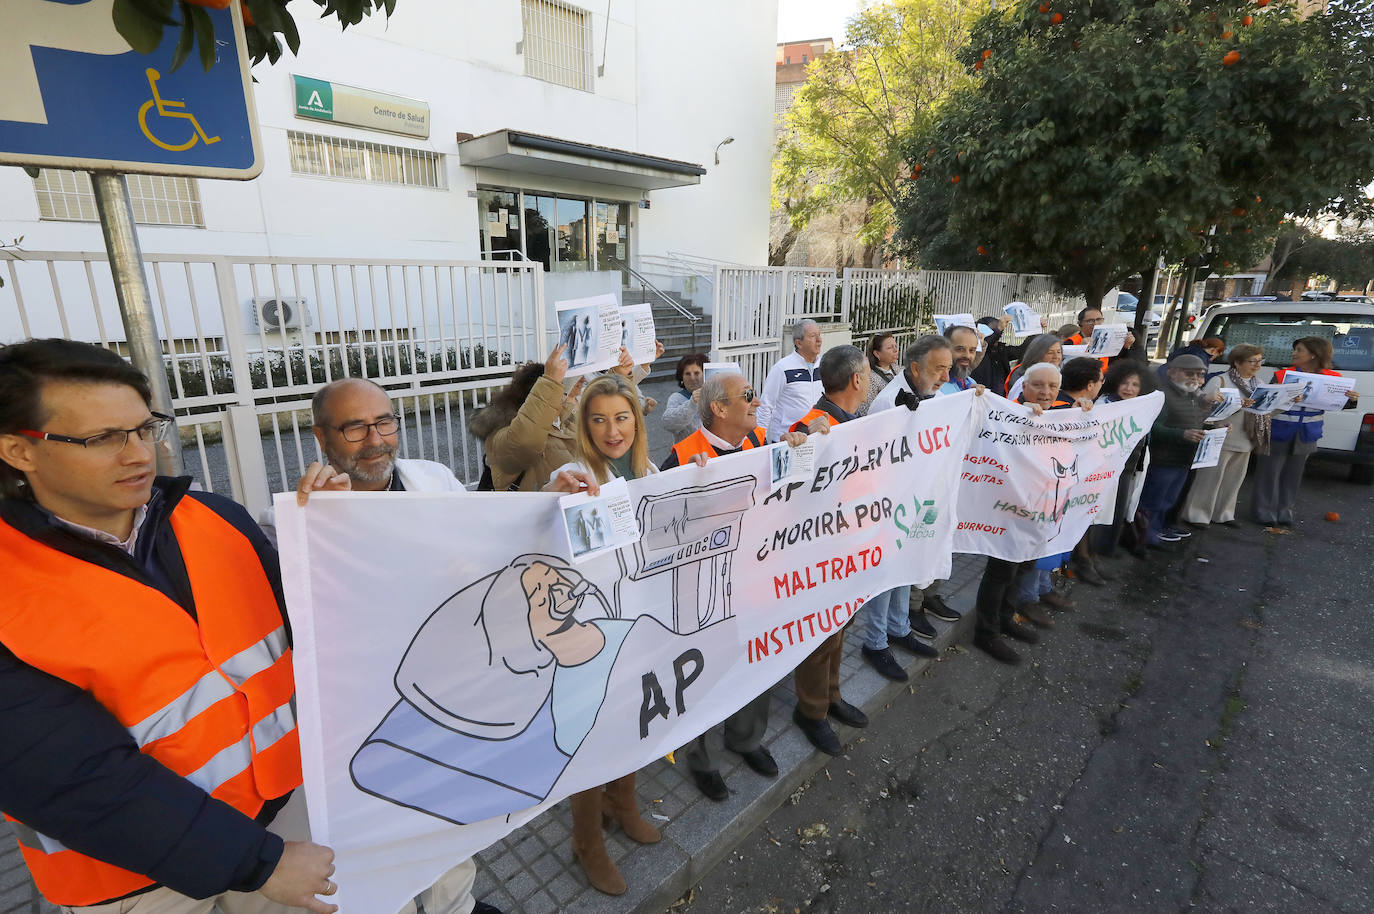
(1173, 442)
(93, 781)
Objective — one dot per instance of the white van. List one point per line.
(1347, 435)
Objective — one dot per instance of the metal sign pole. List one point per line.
(135, 305)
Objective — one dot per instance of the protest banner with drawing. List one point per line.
(439, 715)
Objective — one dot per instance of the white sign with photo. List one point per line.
(1269, 398)
(638, 334)
(594, 524)
(1108, 340)
(1024, 320)
(1320, 391)
(1209, 448)
(1231, 402)
(589, 328)
(787, 463)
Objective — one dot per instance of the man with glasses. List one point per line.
(145, 662)
(1173, 443)
(1089, 318)
(358, 431)
(728, 405)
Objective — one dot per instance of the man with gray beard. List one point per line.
(1173, 442)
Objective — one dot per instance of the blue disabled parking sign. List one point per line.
(74, 94)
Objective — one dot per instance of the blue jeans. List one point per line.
(1032, 585)
(887, 614)
(1163, 485)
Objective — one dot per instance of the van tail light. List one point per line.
(1367, 423)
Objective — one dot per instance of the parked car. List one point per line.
(1347, 435)
(1126, 303)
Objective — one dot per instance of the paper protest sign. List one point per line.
(953, 320)
(1269, 398)
(1230, 405)
(590, 329)
(1024, 320)
(594, 524)
(1320, 391)
(637, 332)
(1209, 448)
(787, 463)
(1073, 352)
(711, 368)
(1107, 340)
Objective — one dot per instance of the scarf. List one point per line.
(1256, 426)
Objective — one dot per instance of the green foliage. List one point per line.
(1348, 260)
(1123, 132)
(842, 141)
(144, 24)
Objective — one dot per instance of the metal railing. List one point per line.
(248, 340)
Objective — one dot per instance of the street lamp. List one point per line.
(725, 142)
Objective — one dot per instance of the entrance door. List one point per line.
(613, 239)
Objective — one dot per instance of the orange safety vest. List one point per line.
(696, 443)
(1077, 340)
(801, 424)
(209, 697)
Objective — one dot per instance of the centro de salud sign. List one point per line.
(321, 100)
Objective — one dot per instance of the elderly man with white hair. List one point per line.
(794, 383)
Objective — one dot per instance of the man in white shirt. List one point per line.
(794, 384)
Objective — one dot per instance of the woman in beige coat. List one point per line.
(529, 430)
(1212, 497)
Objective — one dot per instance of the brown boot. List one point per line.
(623, 807)
(589, 844)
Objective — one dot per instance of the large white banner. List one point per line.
(1031, 485)
(456, 674)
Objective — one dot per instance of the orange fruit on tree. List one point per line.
(1248, 20)
(1238, 211)
(954, 180)
(916, 170)
(982, 250)
(1057, 18)
(978, 65)
(1261, 3)
(1231, 58)
(1044, 7)
(987, 54)
(1226, 34)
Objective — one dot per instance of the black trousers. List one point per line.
(996, 596)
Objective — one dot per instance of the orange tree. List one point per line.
(145, 24)
(1099, 135)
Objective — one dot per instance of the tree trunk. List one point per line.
(1284, 246)
(777, 253)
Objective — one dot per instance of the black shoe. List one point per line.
(1037, 616)
(1180, 532)
(1086, 573)
(997, 649)
(1020, 632)
(761, 760)
(712, 785)
(482, 907)
(913, 644)
(818, 733)
(848, 715)
(921, 625)
(935, 606)
(885, 664)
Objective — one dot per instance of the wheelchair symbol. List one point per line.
(166, 108)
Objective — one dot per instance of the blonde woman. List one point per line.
(610, 442)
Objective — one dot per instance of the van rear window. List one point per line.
(1351, 336)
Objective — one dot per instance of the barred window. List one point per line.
(157, 199)
(357, 160)
(782, 97)
(557, 43)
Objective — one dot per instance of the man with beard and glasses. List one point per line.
(1173, 442)
(357, 428)
(964, 341)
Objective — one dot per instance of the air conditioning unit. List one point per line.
(281, 313)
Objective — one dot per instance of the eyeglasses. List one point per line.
(113, 441)
(1092, 320)
(1192, 372)
(358, 431)
(747, 394)
(1257, 360)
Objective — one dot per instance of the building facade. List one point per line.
(554, 130)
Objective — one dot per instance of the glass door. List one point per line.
(613, 238)
(498, 215)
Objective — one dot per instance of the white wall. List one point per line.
(677, 80)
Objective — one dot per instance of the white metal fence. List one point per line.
(249, 340)
(753, 305)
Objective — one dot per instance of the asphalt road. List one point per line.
(1196, 736)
